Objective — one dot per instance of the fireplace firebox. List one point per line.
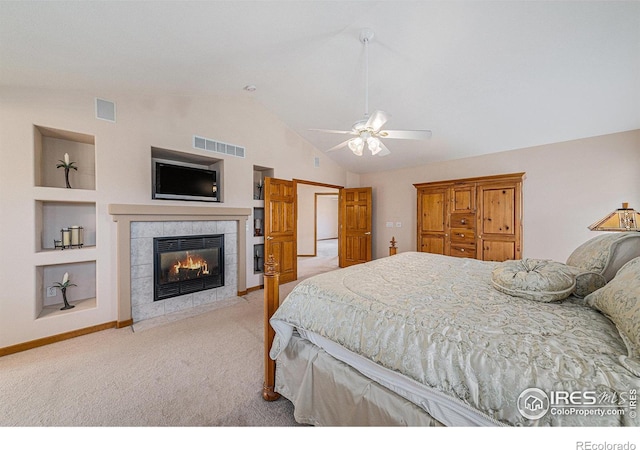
(187, 264)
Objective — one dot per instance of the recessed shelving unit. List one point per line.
(53, 216)
(49, 298)
(194, 157)
(51, 145)
(58, 206)
(258, 258)
(257, 220)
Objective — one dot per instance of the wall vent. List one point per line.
(105, 110)
(218, 147)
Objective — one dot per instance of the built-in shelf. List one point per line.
(195, 157)
(50, 147)
(258, 221)
(258, 258)
(255, 271)
(53, 216)
(49, 298)
(79, 305)
(58, 207)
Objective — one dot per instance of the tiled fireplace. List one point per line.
(138, 225)
(144, 305)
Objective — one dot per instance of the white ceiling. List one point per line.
(483, 76)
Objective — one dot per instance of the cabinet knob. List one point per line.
(461, 234)
(463, 221)
(462, 250)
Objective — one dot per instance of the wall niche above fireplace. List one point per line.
(189, 159)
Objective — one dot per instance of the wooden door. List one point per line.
(499, 221)
(354, 232)
(280, 226)
(433, 213)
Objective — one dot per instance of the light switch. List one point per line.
(389, 224)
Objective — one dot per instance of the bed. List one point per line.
(422, 339)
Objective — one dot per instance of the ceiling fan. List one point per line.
(369, 129)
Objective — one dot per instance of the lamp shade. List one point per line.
(622, 219)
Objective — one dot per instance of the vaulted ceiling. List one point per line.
(483, 76)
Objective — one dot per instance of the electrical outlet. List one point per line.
(51, 291)
(398, 224)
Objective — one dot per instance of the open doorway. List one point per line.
(317, 228)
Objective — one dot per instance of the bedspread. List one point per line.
(437, 320)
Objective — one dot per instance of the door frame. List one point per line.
(297, 181)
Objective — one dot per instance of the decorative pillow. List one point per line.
(606, 253)
(541, 280)
(588, 282)
(619, 300)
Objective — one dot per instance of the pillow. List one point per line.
(606, 253)
(541, 280)
(619, 300)
(587, 282)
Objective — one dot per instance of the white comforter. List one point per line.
(438, 321)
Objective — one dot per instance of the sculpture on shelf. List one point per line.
(63, 287)
(67, 165)
(259, 187)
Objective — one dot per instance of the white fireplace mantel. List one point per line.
(125, 214)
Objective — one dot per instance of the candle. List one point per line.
(66, 159)
(65, 278)
(66, 238)
(75, 235)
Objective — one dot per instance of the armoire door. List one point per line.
(433, 214)
(499, 219)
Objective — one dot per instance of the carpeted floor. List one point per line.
(201, 370)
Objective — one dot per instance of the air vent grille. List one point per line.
(218, 147)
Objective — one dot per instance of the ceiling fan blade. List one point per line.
(385, 151)
(332, 131)
(339, 146)
(406, 134)
(377, 120)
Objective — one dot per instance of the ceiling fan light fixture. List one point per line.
(356, 145)
(374, 145)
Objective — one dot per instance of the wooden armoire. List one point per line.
(472, 218)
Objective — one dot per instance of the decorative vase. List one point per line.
(66, 303)
(66, 177)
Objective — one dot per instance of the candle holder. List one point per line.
(77, 236)
(72, 237)
(65, 240)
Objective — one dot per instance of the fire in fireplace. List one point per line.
(186, 264)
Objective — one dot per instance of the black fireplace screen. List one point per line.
(187, 264)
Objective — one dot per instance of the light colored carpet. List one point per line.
(203, 369)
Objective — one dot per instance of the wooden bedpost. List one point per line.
(393, 249)
(271, 303)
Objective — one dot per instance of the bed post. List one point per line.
(393, 249)
(271, 303)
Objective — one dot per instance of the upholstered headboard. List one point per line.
(606, 253)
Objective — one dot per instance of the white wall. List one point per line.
(327, 217)
(567, 187)
(123, 175)
(306, 226)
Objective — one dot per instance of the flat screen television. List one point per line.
(183, 181)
